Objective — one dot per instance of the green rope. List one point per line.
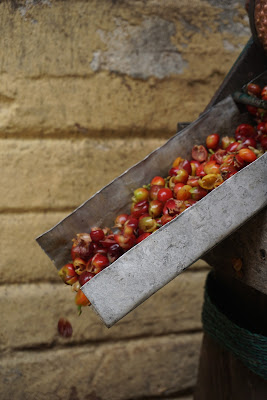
(250, 348)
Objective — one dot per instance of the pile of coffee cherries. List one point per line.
(162, 200)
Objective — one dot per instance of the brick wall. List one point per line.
(87, 89)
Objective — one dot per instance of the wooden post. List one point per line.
(223, 377)
(242, 296)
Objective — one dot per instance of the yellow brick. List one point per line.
(22, 260)
(115, 371)
(64, 173)
(49, 86)
(36, 309)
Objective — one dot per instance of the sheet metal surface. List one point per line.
(153, 263)
(162, 256)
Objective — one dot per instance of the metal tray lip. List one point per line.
(196, 205)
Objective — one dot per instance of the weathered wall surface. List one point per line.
(87, 89)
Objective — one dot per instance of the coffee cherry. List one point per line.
(81, 251)
(192, 181)
(199, 153)
(85, 277)
(173, 207)
(140, 194)
(171, 182)
(194, 165)
(107, 242)
(184, 193)
(99, 262)
(254, 90)
(244, 131)
(261, 114)
(132, 222)
(226, 141)
(64, 328)
(158, 180)
(76, 286)
(153, 192)
(247, 155)
(190, 202)
(120, 220)
(142, 237)
(68, 274)
(232, 147)
(139, 208)
(177, 161)
(101, 250)
(212, 141)
(114, 252)
(97, 234)
(166, 218)
(262, 128)
(235, 160)
(211, 167)
(227, 170)
(264, 93)
(218, 156)
(200, 170)
(147, 224)
(79, 265)
(252, 110)
(125, 242)
(248, 142)
(164, 194)
(173, 171)
(128, 230)
(177, 187)
(181, 176)
(81, 299)
(155, 208)
(197, 193)
(210, 181)
(186, 165)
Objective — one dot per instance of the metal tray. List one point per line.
(152, 263)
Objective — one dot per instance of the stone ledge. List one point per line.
(140, 368)
(23, 258)
(36, 309)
